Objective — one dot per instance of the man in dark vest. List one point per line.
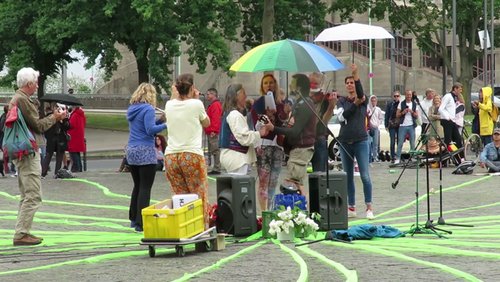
(300, 136)
(407, 113)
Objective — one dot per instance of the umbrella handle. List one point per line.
(352, 47)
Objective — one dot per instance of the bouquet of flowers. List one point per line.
(293, 220)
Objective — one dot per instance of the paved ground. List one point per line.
(87, 238)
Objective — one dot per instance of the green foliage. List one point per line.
(293, 20)
(152, 30)
(40, 34)
(424, 20)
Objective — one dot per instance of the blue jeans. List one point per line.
(393, 135)
(486, 139)
(320, 156)
(375, 147)
(403, 130)
(358, 150)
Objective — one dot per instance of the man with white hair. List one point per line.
(28, 167)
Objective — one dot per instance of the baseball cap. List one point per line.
(496, 130)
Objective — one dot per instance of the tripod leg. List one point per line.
(441, 221)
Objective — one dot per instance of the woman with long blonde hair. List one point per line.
(269, 153)
(140, 150)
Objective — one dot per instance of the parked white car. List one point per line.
(385, 141)
(475, 96)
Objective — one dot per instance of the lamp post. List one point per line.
(453, 41)
(485, 44)
(492, 48)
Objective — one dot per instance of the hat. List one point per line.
(496, 130)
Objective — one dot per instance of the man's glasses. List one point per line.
(396, 96)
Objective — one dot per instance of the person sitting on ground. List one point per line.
(490, 156)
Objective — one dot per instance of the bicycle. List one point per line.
(472, 145)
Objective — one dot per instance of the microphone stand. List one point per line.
(327, 168)
(441, 220)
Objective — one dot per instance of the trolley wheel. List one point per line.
(179, 250)
(211, 245)
(202, 247)
(152, 251)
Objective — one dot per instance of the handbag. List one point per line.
(394, 122)
(18, 140)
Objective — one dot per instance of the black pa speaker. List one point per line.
(336, 195)
(236, 205)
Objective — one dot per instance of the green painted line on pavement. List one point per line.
(445, 268)
(421, 198)
(304, 273)
(350, 275)
(93, 259)
(58, 215)
(220, 262)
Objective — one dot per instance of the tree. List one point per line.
(153, 31)
(424, 20)
(292, 19)
(39, 34)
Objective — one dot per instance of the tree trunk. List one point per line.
(41, 92)
(268, 21)
(143, 69)
(466, 66)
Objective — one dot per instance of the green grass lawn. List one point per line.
(116, 122)
(107, 121)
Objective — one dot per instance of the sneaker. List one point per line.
(214, 172)
(396, 161)
(138, 228)
(351, 212)
(369, 215)
(133, 224)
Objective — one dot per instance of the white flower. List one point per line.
(289, 219)
(275, 226)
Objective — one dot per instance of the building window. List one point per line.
(402, 52)
(362, 47)
(431, 61)
(479, 71)
(336, 46)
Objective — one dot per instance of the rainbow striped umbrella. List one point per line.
(287, 55)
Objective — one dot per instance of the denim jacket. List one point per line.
(490, 153)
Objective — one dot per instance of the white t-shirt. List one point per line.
(408, 120)
(184, 126)
(426, 105)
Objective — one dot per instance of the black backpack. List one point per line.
(466, 167)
